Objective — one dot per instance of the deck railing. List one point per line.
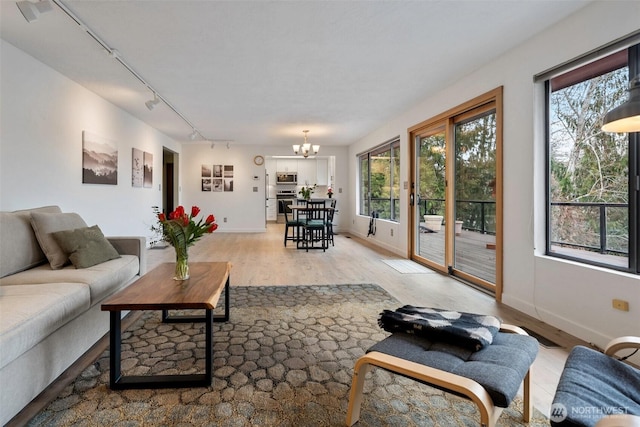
(605, 231)
(476, 215)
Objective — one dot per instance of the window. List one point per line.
(380, 181)
(592, 195)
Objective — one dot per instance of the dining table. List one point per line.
(311, 217)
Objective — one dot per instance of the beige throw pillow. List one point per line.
(86, 246)
(44, 224)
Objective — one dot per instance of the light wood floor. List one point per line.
(261, 259)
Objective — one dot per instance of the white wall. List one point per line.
(573, 297)
(43, 116)
(244, 208)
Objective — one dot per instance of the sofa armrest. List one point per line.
(132, 245)
(617, 344)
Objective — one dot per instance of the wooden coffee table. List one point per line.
(157, 290)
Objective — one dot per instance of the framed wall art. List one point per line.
(99, 160)
(137, 168)
(216, 178)
(148, 170)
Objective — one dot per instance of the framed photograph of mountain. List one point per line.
(137, 173)
(99, 160)
(148, 170)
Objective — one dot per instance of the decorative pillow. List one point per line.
(86, 246)
(46, 223)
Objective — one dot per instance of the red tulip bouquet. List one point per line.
(181, 230)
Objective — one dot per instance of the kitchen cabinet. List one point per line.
(286, 165)
(322, 172)
(307, 171)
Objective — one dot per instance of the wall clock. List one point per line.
(258, 160)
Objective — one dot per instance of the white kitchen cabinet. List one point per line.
(307, 172)
(322, 172)
(286, 165)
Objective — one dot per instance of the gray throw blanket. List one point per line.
(468, 330)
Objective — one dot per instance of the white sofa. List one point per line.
(50, 317)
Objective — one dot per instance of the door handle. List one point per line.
(411, 199)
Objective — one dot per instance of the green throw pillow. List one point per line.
(86, 246)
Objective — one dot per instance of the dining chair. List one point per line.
(329, 222)
(313, 227)
(289, 222)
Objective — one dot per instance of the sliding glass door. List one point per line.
(474, 196)
(430, 167)
(456, 221)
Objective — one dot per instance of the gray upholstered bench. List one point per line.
(489, 377)
(594, 385)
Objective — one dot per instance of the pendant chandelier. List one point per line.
(626, 117)
(306, 147)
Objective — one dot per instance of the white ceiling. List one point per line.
(260, 72)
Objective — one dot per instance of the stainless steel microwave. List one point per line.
(287, 178)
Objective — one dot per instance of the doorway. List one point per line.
(169, 180)
(455, 199)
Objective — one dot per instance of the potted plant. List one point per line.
(433, 222)
(305, 192)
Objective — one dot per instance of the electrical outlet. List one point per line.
(391, 232)
(621, 305)
(224, 219)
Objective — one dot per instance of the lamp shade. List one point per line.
(625, 117)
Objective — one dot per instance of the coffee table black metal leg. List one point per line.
(168, 318)
(120, 382)
(115, 341)
(224, 317)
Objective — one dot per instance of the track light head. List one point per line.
(31, 11)
(193, 135)
(151, 104)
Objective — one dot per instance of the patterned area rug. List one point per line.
(284, 359)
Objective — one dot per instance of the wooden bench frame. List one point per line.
(460, 385)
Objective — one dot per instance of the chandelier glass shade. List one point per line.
(306, 148)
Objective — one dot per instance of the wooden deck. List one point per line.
(473, 252)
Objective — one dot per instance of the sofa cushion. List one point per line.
(85, 246)
(499, 368)
(20, 249)
(102, 279)
(30, 313)
(593, 385)
(45, 224)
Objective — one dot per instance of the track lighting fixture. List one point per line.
(193, 135)
(31, 10)
(151, 104)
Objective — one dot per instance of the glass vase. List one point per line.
(182, 264)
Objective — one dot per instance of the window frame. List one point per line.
(633, 186)
(365, 201)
